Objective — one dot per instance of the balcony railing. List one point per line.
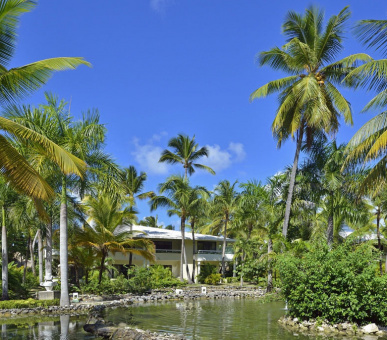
(168, 251)
(228, 251)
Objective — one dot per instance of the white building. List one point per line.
(168, 249)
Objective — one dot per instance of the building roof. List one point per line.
(162, 234)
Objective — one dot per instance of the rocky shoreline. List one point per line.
(87, 302)
(313, 327)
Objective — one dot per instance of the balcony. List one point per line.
(168, 251)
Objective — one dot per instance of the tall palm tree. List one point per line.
(85, 139)
(309, 101)
(132, 185)
(181, 199)
(224, 205)
(186, 152)
(368, 145)
(16, 83)
(104, 233)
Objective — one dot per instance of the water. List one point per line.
(202, 319)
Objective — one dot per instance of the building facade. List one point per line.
(168, 250)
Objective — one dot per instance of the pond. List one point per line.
(198, 319)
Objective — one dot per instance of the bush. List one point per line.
(213, 279)
(29, 303)
(338, 285)
(18, 290)
(140, 280)
(206, 269)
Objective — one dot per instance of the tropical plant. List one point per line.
(132, 185)
(181, 199)
(186, 152)
(310, 102)
(224, 205)
(106, 233)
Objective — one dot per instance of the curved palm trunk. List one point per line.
(63, 248)
(270, 270)
(193, 249)
(224, 248)
(292, 181)
(182, 228)
(48, 264)
(4, 257)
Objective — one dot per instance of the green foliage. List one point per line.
(29, 303)
(206, 269)
(139, 281)
(338, 285)
(212, 279)
(18, 290)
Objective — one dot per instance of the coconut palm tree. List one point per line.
(105, 232)
(16, 83)
(368, 145)
(309, 101)
(181, 199)
(132, 185)
(224, 205)
(151, 221)
(186, 152)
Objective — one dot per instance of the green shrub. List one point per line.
(213, 279)
(18, 290)
(206, 269)
(29, 303)
(338, 285)
(140, 280)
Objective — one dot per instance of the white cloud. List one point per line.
(159, 5)
(147, 156)
(238, 150)
(220, 159)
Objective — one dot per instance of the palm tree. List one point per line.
(224, 205)
(151, 221)
(181, 199)
(132, 185)
(16, 83)
(309, 100)
(186, 152)
(105, 232)
(368, 145)
(84, 139)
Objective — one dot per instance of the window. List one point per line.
(206, 245)
(163, 245)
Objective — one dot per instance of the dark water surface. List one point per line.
(203, 319)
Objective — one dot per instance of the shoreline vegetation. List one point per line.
(316, 230)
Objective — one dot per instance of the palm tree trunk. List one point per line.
(64, 287)
(40, 255)
(379, 242)
(48, 264)
(330, 231)
(32, 258)
(224, 248)
(292, 181)
(193, 249)
(186, 266)
(26, 259)
(102, 268)
(243, 265)
(4, 258)
(182, 228)
(270, 270)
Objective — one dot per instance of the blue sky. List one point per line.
(163, 67)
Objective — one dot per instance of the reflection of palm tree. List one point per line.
(309, 100)
(186, 152)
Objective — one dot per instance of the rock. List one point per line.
(370, 328)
